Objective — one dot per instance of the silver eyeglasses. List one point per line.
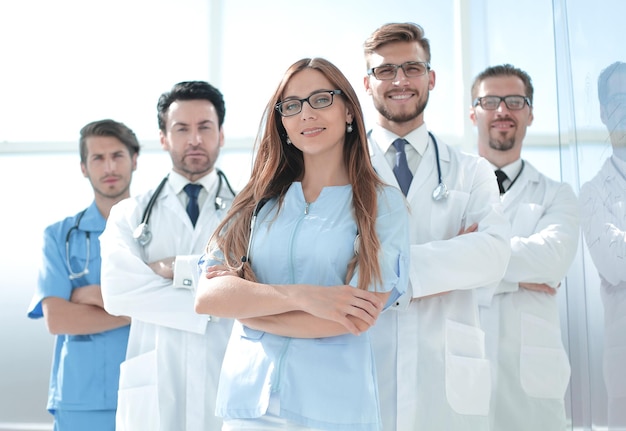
(491, 103)
(411, 69)
(318, 100)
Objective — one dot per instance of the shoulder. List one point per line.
(61, 227)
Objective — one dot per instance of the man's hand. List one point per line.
(540, 287)
(164, 267)
(471, 228)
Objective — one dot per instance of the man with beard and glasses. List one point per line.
(90, 343)
(150, 251)
(530, 367)
(429, 348)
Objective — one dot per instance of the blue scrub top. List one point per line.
(85, 368)
(327, 383)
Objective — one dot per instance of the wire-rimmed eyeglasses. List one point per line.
(491, 103)
(317, 100)
(411, 69)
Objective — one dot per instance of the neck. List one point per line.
(401, 128)
(320, 172)
(499, 158)
(105, 204)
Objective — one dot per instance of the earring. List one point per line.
(288, 141)
(349, 128)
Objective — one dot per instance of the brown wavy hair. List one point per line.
(277, 165)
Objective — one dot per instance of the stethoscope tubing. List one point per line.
(74, 275)
(142, 232)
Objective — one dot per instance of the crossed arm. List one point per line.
(296, 310)
(83, 314)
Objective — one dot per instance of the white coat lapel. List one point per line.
(381, 165)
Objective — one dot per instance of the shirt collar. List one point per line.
(177, 181)
(511, 170)
(417, 138)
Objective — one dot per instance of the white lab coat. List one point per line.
(603, 218)
(430, 353)
(530, 366)
(169, 379)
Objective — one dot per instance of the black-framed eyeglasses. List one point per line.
(317, 100)
(491, 103)
(411, 69)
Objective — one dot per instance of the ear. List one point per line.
(134, 161)
(366, 84)
(221, 137)
(349, 116)
(165, 144)
(531, 117)
(603, 115)
(83, 169)
(472, 115)
(431, 79)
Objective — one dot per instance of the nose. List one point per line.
(502, 108)
(109, 165)
(195, 138)
(307, 110)
(400, 77)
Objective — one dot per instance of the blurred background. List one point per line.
(65, 63)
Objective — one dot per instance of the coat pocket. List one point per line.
(468, 374)
(544, 365)
(138, 394)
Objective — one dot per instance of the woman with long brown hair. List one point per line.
(313, 249)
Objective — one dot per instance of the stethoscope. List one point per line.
(142, 233)
(74, 275)
(441, 191)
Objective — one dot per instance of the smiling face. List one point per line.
(193, 137)
(501, 131)
(401, 101)
(316, 132)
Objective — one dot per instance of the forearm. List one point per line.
(296, 324)
(64, 317)
(231, 296)
(299, 324)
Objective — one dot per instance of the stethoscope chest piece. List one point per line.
(142, 234)
(440, 192)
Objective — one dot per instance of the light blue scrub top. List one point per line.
(85, 368)
(327, 383)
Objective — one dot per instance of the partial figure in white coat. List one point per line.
(429, 348)
(150, 251)
(603, 218)
(531, 368)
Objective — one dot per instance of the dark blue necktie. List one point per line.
(501, 176)
(401, 168)
(193, 190)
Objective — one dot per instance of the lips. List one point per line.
(110, 180)
(503, 124)
(195, 154)
(312, 131)
(400, 96)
